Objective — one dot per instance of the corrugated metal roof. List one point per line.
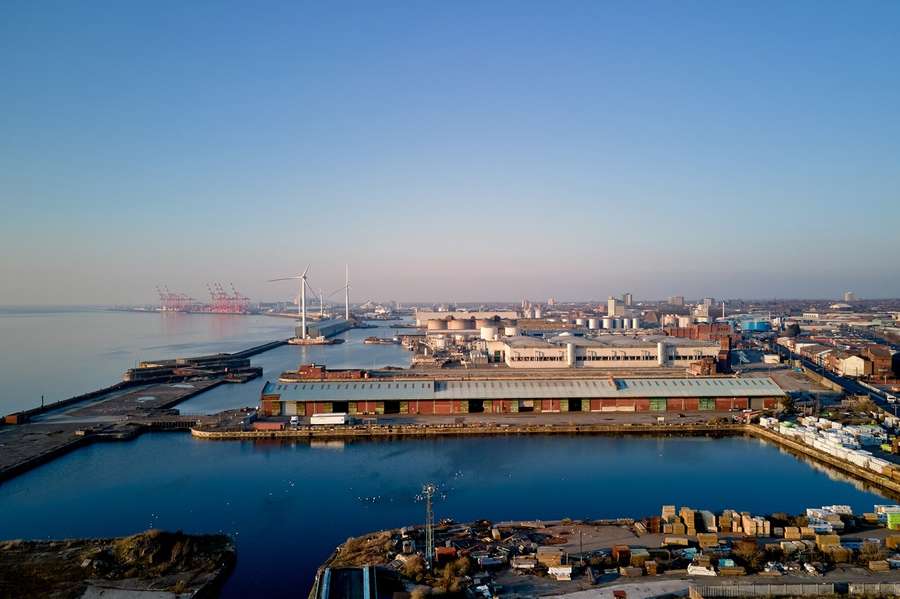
(352, 390)
(524, 389)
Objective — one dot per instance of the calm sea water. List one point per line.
(61, 352)
(289, 505)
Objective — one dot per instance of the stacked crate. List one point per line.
(725, 521)
(689, 517)
(708, 521)
(755, 525)
(827, 540)
(665, 519)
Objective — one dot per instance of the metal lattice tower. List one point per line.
(428, 490)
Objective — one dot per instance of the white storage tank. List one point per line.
(635, 323)
(579, 322)
(593, 323)
(511, 331)
(607, 323)
(570, 355)
(489, 333)
(626, 323)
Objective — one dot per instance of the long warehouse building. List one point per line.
(435, 396)
(602, 351)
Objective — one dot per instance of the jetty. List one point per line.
(145, 400)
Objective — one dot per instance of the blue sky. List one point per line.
(450, 151)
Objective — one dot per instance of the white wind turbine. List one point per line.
(346, 290)
(302, 307)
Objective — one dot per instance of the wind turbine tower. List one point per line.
(302, 307)
(347, 295)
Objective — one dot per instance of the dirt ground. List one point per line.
(173, 563)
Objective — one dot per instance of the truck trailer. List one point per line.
(331, 419)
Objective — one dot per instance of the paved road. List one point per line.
(849, 385)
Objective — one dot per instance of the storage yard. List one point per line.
(680, 549)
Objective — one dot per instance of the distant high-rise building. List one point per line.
(613, 307)
(709, 301)
(849, 296)
(676, 300)
(551, 301)
(627, 299)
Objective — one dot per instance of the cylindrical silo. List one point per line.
(661, 356)
(488, 333)
(635, 323)
(617, 323)
(607, 323)
(461, 324)
(593, 323)
(626, 323)
(511, 331)
(579, 322)
(570, 355)
(436, 324)
(538, 313)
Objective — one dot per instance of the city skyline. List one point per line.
(465, 152)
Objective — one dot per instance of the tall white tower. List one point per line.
(347, 295)
(302, 303)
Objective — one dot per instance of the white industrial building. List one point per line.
(603, 351)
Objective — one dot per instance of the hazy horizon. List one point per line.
(449, 152)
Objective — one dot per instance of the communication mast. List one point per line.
(428, 490)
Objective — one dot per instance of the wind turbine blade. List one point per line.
(283, 279)
(305, 271)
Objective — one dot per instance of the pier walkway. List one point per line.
(118, 412)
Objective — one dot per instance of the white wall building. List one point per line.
(604, 351)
